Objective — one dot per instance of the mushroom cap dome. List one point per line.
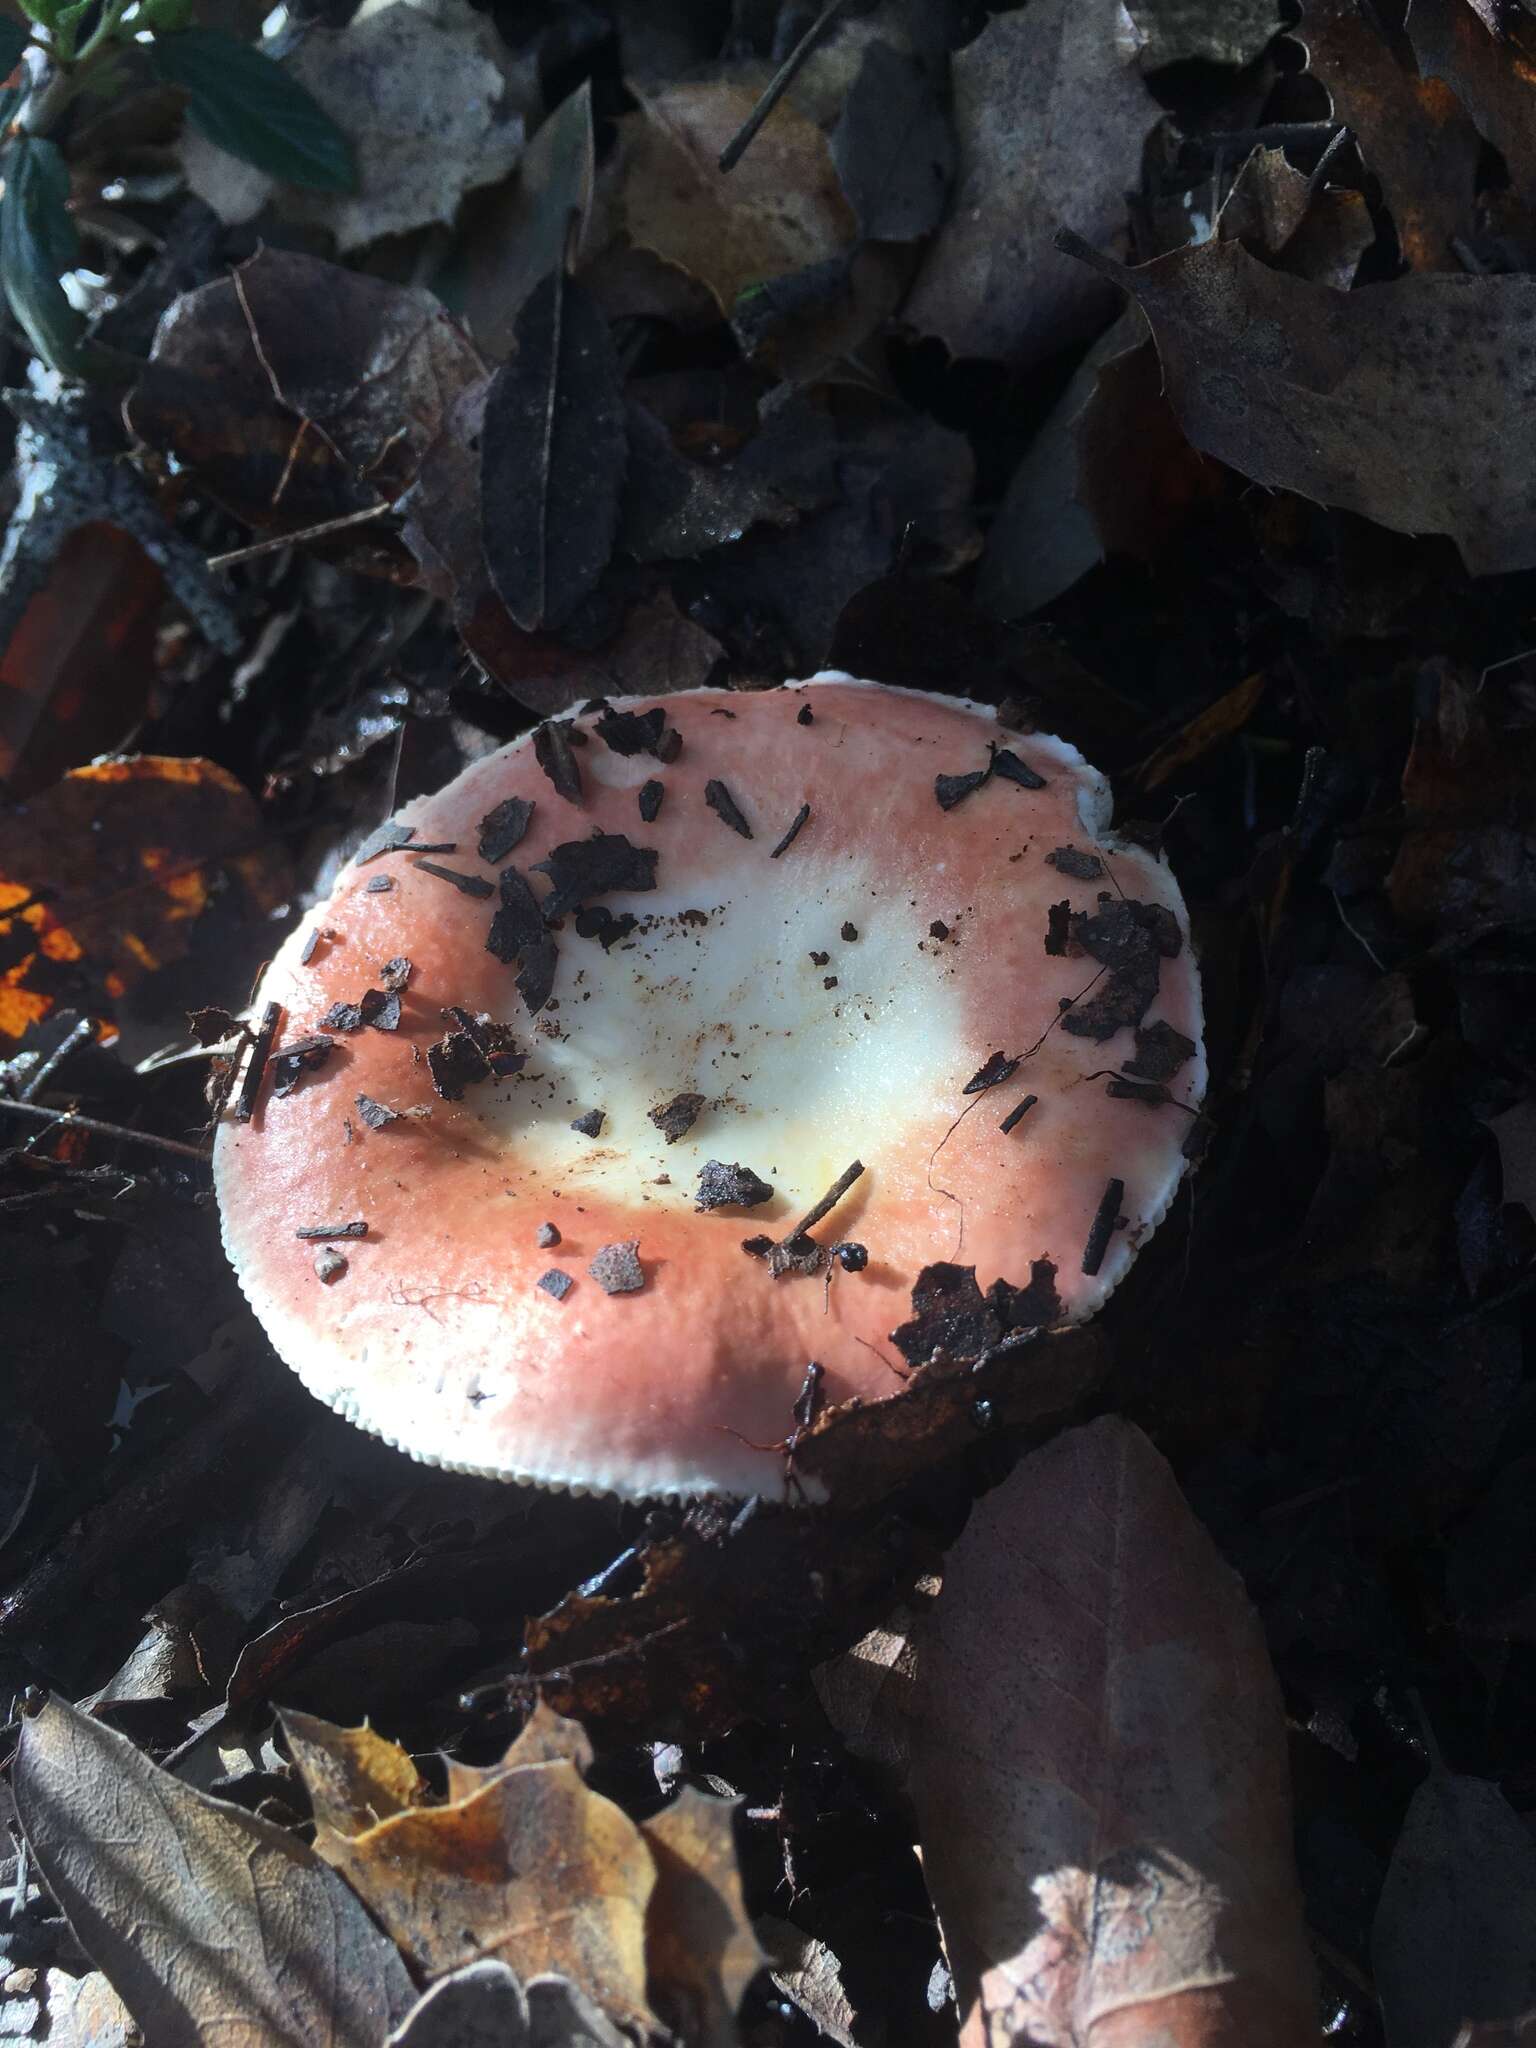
(544, 1278)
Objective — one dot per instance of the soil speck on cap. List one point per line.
(548, 1237)
(725, 807)
(590, 1123)
(734, 1186)
(580, 868)
(1071, 860)
(849, 934)
(617, 1268)
(556, 1283)
(1160, 1052)
(503, 827)
(677, 1117)
(938, 929)
(631, 732)
(805, 715)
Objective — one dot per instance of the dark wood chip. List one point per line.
(1152, 1093)
(213, 1026)
(1058, 929)
(556, 1283)
(552, 751)
(256, 1066)
(518, 937)
(307, 953)
(395, 975)
(290, 1063)
(1017, 1114)
(379, 885)
(829, 981)
(757, 1247)
(376, 1115)
(998, 1068)
(820, 959)
(950, 1315)
(938, 929)
(594, 867)
(793, 833)
(1012, 769)
(357, 1228)
(548, 1237)
(477, 1049)
(850, 933)
(805, 715)
(953, 789)
(1031, 1307)
(631, 732)
(1160, 1052)
(651, 794)
(676, 1118)
(617, 1268)
(504, 827)
(329, 1265)
(1071, 860)
(388, 838)
(590, 1123)
(1105, 1222)
(726, 808)
(1131, 939)
(734, 1186)
(597, 921)
(670, 745)
(467, 885)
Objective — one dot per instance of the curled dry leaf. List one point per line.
(1409, 402)
(1051, 121)
(699, 1942)
(211, 1923)
(103, 876)
(298, 392)
(1413, 132)
(428, 96)
(1098, 1764)
(1455, 1931)
(480, 2006)
(780, 209)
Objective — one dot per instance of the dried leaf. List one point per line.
(1179, 31)
(1413, 132)
(699, 1942)
(552, 457)
(1051, 122)
(809, 1974)
(103, 876)
(354, 1776)
(779, 210)
(480, 2006)
(1409, 402)
(893, 145)
(296, 391)
(1302, 224)
(1228, 714)
(429, 100)
(1514, 1132)
(1493, 80)
(211, 1923)
(1455, 1932)
(1098, 1765)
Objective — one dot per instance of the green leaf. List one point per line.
(13, 40)
(246, 104)
(37, 242)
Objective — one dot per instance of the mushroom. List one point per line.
(633, 1132)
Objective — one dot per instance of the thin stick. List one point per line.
(274, 541)
(829, 1200)
(779, 84)
(69, 1119)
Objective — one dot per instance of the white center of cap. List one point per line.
(717, 993)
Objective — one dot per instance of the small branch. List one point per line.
(273, 542)
(1071, 243)
(829, 1200)
(779, 84)
(70, 1119)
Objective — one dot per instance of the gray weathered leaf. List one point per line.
(1177, 31)
(1051, 121)
(212, 1925)
(1455, 1931)
(480, 2006)
(1412, 402)
(894, 146)
(552, 457)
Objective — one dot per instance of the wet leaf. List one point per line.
(1455, 1932)
(246, 104)
(1413, 132)
(1360, 399)
(103, 876)
(37, 244)
(893, 145)
(297, 392)
(699, 1944)
(255, 1940)
(1098, 1764)
(779, 210)
(1051, 121)
(552, 457)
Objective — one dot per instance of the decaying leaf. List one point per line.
(1359, 399)
(298, 392)
(1455, 1931)
(1493, 79)
(1098, 1764)
(893, 144)
(431, 101)
(699, 1943)
(1051, 121)
(1303, 224)
(1413, 132)
(211, 1923)
(1219, 720)
(1177, 31)
(1514, 1132)
(781, 208)
(103, 875)
(552, 457)
(480, 2006)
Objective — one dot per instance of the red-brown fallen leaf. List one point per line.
(103, 875)
(1493, 78)
(1098, 1764)
(213, 1925)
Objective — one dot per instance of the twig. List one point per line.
(779, 84)
(829, 1200)
(70, 1119)
(274, 541)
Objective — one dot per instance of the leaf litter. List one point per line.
(1234, 498)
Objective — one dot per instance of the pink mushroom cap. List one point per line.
(949, 931)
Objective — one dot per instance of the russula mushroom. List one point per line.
(810, 1147)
